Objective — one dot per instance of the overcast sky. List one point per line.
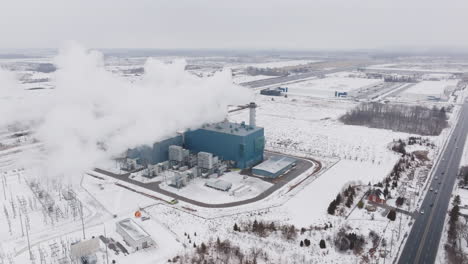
(260, 24)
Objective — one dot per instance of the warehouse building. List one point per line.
(133, 234)
(274, 166)
(243, 144)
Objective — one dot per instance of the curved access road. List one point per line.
(302, 165)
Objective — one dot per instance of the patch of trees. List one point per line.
(453, 220)
(221, 251)
(346, 197)
(399, 201)
(464, 175)
(44, 67)
(349, 241)
(264, 229)
(402, 118)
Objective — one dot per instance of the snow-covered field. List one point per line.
(326, 87)
(425, 89)
(277, 64)
(241, 78)
(316, 196)
(429, 67)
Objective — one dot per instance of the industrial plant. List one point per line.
(208, 152)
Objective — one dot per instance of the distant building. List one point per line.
(243, 144)
(377, 196)
(133, 234)
(341, 94)
(274, 166)
(278, 91)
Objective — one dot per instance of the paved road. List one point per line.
(423, 240)
(302, 165)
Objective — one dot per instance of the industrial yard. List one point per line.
(280, 157)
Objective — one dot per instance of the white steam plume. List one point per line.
(91, 107)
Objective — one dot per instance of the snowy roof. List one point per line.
(231, 128)
(220, 184)
(275, 163)
(132, 229)
(378, 192)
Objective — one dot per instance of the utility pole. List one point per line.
(391, 244)
(29, 243)
(399, 228)
(105, 235)
(3, 183)
(82, 221)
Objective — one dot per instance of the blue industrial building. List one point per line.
(274, 166)
(240, 143)
(159, 152)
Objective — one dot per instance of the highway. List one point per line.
(423, 241)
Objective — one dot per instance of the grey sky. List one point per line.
(291, 24)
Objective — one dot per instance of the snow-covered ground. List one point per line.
(276, 64)
(197, 190)
(316, 196)
(241, 78)
(429, 67)
(426, 89)
(326, 87)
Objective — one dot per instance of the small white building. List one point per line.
(219, 184)
(133, 234)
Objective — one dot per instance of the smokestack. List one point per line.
(252, 107)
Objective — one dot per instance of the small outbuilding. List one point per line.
(219, 184)
(133, 234)
(274, 166)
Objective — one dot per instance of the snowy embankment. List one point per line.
(464, 159)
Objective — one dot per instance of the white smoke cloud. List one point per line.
(92, 107)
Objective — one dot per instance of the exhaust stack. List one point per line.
(252, 107)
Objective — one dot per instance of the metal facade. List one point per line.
(229, 141)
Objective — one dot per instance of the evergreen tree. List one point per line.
(322, 244)
(392, 215)
(338, 198)
(332, 207)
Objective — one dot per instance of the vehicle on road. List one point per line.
(436, 178)
(422, 211)
(436, 191)
(431, 189)
(174, 201)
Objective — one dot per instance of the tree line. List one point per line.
(413, 119)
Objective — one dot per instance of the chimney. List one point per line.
(252, 107)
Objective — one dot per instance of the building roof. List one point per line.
(231, 128)
(275, 164)
(219, 184)
(132, 229)
(378, 192)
